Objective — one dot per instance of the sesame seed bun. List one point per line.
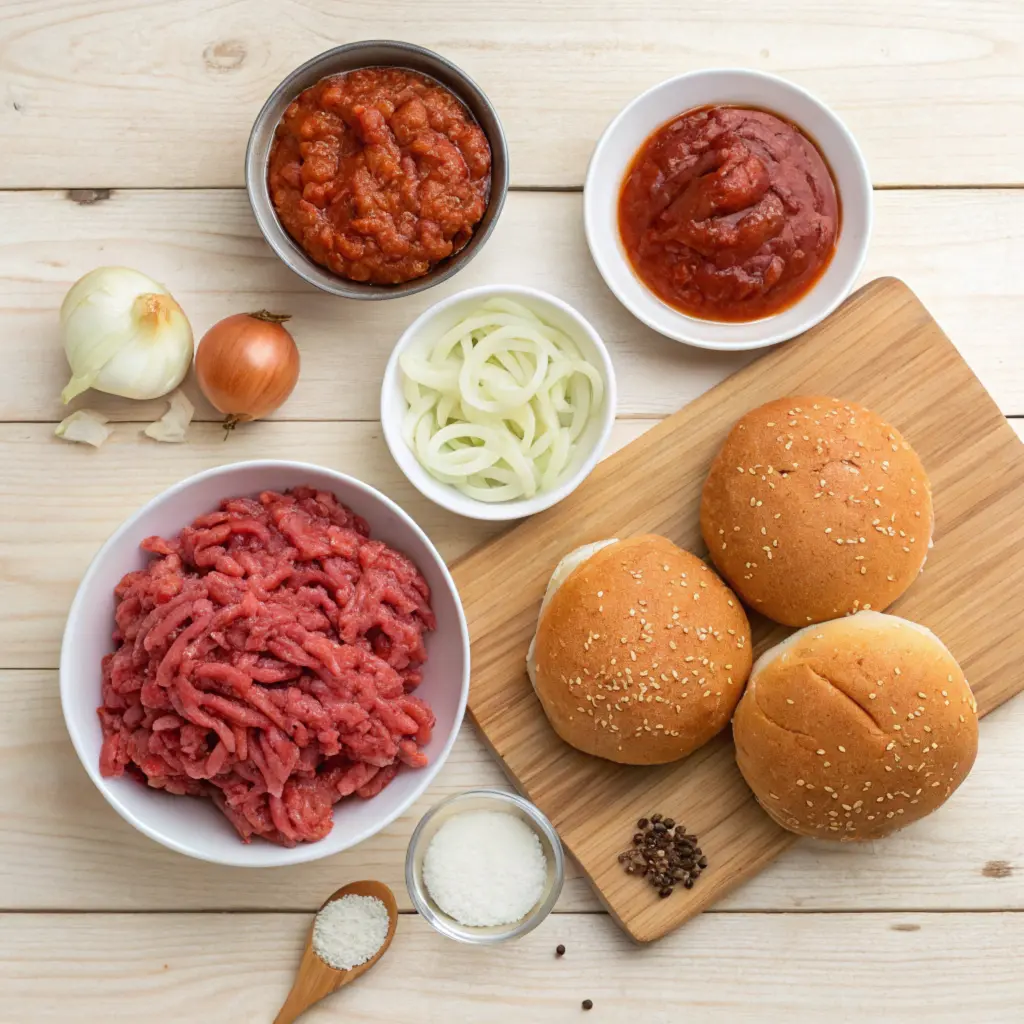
(641, 652)
(816, 508)
(854, 728)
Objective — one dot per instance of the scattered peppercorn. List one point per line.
(559, 950)
(588, 1004)
(665, 854)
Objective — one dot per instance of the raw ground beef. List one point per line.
(266, 658)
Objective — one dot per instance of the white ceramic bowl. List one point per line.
(442, 317)
(735, 87)
(193, 826)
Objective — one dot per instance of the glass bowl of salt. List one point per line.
(484, 866)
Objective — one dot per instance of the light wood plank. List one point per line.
(60, 502)
(147, 94)
(65, 849)
(720, 969)
(960, 251)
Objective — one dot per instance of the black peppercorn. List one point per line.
(559, 950)
(588, 1004)
(665, 854)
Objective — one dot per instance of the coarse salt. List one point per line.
(485, 868)
(349, 930)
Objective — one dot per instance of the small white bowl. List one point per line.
(731, 87)
(193, 826)
(483, 800)
(442, 317)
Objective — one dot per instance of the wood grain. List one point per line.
(961, 251)
(881, 348)
(65, 849)
(147, 94)
(723, 969)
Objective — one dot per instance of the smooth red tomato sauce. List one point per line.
(379, 174)
(729, 213)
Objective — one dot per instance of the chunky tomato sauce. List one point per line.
(379, 174)
(729, 213)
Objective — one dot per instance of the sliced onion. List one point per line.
(497, 405)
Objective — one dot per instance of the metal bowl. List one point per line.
(350, 57)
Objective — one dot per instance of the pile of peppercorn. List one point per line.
(665, 854)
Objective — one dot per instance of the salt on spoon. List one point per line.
(316, 977)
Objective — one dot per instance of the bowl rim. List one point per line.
(444, 494)
(519, 928)
(303, 852)
(292, 255)
(682, 333)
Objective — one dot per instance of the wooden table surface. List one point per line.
(123, 128)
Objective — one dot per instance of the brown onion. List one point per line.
(247, 365)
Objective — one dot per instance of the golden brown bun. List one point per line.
(642, 653)
(815, 508)
(854, 728)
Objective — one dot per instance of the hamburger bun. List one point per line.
(641, 651)
(816, 508)
(854, 728)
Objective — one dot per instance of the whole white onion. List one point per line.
(124, 334)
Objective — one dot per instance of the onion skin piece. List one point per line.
(84, 426)
(247, 365)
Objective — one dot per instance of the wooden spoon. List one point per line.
(315, 979)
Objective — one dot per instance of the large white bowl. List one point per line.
(732, 87)
(440, 318)
(193, 826)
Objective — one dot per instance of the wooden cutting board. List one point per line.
(881, 348)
